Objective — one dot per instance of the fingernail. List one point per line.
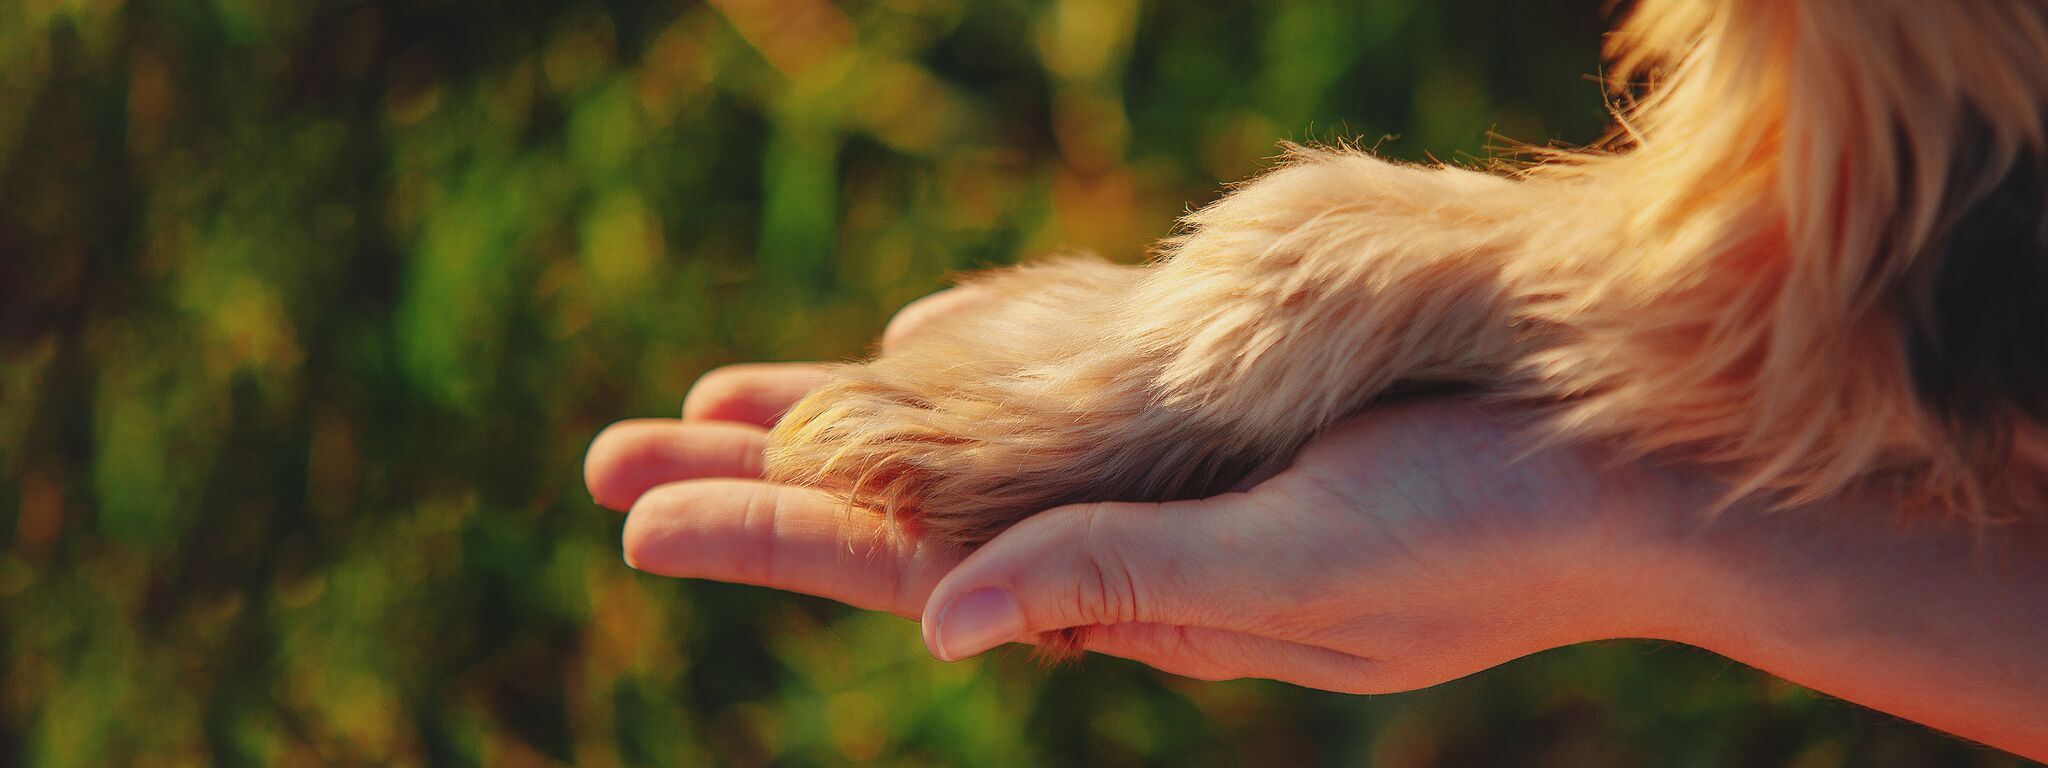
(976, 622)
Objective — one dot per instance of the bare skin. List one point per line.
(1410, 546)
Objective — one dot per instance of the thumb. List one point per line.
(1093, 564)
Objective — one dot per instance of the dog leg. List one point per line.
(1284, 307)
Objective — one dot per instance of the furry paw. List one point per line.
(1027, 404)
(1289, 304)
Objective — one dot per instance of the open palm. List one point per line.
(1414, 544)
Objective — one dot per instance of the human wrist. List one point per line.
(1923, 617)
(1659, 569)
(1744, 578)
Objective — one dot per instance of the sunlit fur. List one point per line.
(1757, 275)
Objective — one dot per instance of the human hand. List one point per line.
(1409, 546)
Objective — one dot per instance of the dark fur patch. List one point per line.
(1975, 307)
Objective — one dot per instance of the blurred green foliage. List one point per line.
(309, 307)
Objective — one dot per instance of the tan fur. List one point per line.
(1712, 286)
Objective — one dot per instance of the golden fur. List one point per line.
(1758, 275)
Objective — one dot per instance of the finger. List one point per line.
(752, 393)
(784, 537)
(1206, 653)
(917, 316)
(632, 456)
(1180, 563)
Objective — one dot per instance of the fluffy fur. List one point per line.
(1812, 259)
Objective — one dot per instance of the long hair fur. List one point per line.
(1835, 252)
(1812, 259)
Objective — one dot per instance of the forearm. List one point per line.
(1931, 620)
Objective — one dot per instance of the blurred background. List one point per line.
(308, 309)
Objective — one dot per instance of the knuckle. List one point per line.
(758, 525)
(1108, 589)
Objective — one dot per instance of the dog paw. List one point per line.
(1287, 305)
(1028, 403)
